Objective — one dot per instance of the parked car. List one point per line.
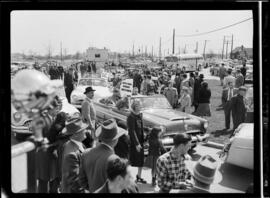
(99, 84)
(239, 150)
(21, 124)
(157, 111)
(214, 70)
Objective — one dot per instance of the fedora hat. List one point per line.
(88, 89)
(109, 131)
(73, 126)
(205, 170)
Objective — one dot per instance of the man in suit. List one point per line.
(227, 95)
(94, 161)
(72, 156)
(239, 107)
(229, 78)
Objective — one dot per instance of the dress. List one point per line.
(204, 100)
(135, 131)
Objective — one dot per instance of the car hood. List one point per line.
(173, 120)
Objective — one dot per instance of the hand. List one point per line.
(184, 185)
(138, 148)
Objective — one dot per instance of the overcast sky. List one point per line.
(118, 30)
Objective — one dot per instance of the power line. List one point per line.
(215, 30)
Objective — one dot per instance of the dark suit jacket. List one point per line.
(238, 110)
(70, 168)
(225, 95)
(94, 166)
(105, 189)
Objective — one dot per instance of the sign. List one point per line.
(126, 87)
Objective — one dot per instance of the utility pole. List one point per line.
(152, 51)
(227, 49)
(61, 51)
(179, 49)
(159, 48)
(133, 49)
(223, 48)
(204, 48)
(168, 51)
(231, 47)
(145, 50)
(185, 48)
(196, 47)
(173, 41)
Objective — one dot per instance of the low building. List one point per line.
(97, 55)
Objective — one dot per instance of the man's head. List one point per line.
(119, 173)
(185, 76)
(182, 143)
(89, 92)
(109, 132)
(76, 129)
(204, 172)
(242, 90)
(222, 64)
(136, 106)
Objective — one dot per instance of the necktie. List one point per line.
(230, 94)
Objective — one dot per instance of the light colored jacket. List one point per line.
(88, 112)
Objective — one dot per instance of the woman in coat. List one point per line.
(204, 100)
(136, 135)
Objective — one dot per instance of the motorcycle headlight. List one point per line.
(205, 125)
(17, 116)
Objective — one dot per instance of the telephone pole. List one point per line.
(173, 41)
(61, 51)
(179, 49)
(231, 47)
(204, 48)
(133, 49)
(227, 49)
(152, 51)
(196, 47)
(223, 47)
(185, 48)
(159, 48)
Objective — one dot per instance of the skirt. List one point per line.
(136, 159)
(203, 110)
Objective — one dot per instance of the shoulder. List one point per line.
(163, 159)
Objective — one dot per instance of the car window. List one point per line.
(153, 102)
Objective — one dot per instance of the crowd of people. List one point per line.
(84, 156)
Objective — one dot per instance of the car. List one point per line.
(239, 150)
(99, 84)
(21, 124)
(157, 112)
(214, 70)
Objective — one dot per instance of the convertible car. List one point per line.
(99, 84)
(157, 112)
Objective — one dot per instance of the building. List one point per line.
(97, 55)
(242, 52)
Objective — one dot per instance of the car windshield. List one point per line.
(153, 102)
(93, 82)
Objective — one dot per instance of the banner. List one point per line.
(126, 87)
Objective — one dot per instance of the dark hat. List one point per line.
(73, 126)
(205, 170)
(109, 131)
(201, 76)
(88, 89)
(242, 88)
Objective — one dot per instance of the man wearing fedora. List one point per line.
(203, 175)
(171, 169)
(89, 115)
(94, 161)
(72, 151)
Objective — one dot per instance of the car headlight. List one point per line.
(205, 125)
(163, 129)
(74, 97)
(17, 116)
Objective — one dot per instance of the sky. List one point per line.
(35, 31)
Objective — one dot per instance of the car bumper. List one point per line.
(21, 130)
(168, 144)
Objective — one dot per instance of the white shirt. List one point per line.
(230, 92)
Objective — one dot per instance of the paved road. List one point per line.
(231, 179)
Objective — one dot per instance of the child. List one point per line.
(155, 150)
